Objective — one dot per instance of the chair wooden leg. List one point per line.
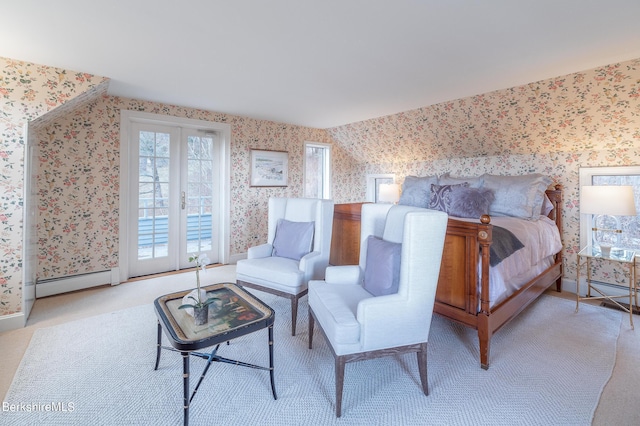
(311, 320)
(340, 362)
(294, 314)
(422, 367)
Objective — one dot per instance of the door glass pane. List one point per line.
(199, 193)
(153, 195)
(193, 167)
(162, 145)
(161, 234)
(147, 144)
(206, 190)
(145, 233)
(162, 196)
(193, 189)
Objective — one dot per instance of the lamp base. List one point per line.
(606, 233)
(605, 250)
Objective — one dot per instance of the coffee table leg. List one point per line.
(159, 345)
(271, 370)
(185, 376)
(210, 359)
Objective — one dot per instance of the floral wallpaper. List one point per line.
(79, 185)
(27, 92)
(553, 126)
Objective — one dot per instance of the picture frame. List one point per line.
(269, 168)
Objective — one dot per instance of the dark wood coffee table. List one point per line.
(236, 314)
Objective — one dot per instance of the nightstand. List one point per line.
(623, 257)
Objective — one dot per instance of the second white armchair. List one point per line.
(383, 306)
(296, 251)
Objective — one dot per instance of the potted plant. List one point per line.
(200, 306)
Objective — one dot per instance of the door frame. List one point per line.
(224, 129)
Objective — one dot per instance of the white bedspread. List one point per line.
(541, 241)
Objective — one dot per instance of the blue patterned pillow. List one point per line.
(441, 196)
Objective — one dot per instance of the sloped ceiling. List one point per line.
(319, 63)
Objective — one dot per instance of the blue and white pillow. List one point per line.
(440, 198)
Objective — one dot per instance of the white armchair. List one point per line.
(292, 256)
(360, 325)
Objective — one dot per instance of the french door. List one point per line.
(174, 201)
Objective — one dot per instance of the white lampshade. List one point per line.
(389, 193)
(611, 200)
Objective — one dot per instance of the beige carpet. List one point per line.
(617, 405)
(63, 308)
(102, 366)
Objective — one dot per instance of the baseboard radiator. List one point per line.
(52, 286)
(608, 288)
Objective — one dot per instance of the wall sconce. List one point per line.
(389, 193)
(607, 202)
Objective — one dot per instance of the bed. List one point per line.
(465, 292)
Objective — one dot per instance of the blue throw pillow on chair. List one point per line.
(382, 268)
(293, 239)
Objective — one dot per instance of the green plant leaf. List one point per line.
(210, 300)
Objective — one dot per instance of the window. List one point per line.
(373, 185)
(619, 175)
(317, 170)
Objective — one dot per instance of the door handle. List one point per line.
(184, 200)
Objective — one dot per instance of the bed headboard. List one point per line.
(555, 196)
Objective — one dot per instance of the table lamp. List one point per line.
(607, 202)
(389, 193)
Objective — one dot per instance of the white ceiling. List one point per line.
(318, 63)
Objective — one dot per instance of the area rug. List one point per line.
(548, 367)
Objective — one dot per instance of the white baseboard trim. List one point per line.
(54, 286)
(115, 276)
(12, 322)
(608, 289)
(568, 285)
(233, 259)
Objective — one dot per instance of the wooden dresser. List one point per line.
(345, 237)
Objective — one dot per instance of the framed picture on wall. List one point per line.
(269, 168)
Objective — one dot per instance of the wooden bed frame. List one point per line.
(457, 295)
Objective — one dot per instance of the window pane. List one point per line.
(316, 171)
(630, 237)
